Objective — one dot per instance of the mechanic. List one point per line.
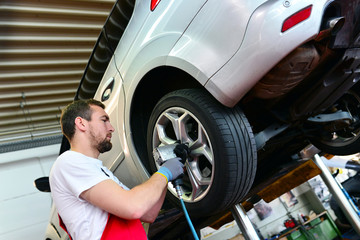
(91, 202)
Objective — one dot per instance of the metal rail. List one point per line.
(244, 223)
(338, 194)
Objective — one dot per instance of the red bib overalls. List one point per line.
(119, 229)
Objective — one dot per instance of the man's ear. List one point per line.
(80, 123)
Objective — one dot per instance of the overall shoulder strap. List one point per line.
(62, 225)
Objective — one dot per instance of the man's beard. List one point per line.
(104, 146)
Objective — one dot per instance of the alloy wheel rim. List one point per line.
(178, 124)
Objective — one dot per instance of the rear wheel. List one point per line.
(222, 145)
(347, 140)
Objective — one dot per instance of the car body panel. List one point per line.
(156, 35)
(112, 108)
(119, 157)
(237, 77)
(53, 230)
(150, 47)
(208, 50)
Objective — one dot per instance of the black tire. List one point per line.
(224, 157)
(347, 140)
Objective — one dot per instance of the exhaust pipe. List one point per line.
(332, 27)
(335, 24)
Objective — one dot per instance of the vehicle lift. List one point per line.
(249, 232)
(238, 211)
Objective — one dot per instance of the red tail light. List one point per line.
(153, 4)
(296, 18)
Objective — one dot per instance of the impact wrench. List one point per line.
(162, 154)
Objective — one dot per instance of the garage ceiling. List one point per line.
(44, 49)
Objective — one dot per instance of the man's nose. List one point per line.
(111, 129)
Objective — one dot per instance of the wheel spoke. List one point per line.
(163, 138)
(201, 146)
(183, 133)
(178, 121)
(173, 118)
(198, 183)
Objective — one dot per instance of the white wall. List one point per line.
(24, 211)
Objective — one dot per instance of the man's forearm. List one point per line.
(150, 195)
(152, 214)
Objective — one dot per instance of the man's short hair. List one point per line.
(78, 108)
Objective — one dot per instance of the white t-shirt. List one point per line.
(71, 174)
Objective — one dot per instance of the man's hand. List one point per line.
(171, 169)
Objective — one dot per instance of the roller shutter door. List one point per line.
(44, 48)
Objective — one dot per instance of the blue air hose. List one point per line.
(188, 219)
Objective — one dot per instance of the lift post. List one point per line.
(244, 223)
(338, 194)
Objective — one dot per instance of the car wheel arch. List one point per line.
(153, 86)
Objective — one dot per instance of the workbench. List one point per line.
(322, 227)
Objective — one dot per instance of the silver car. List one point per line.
(246, 84)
